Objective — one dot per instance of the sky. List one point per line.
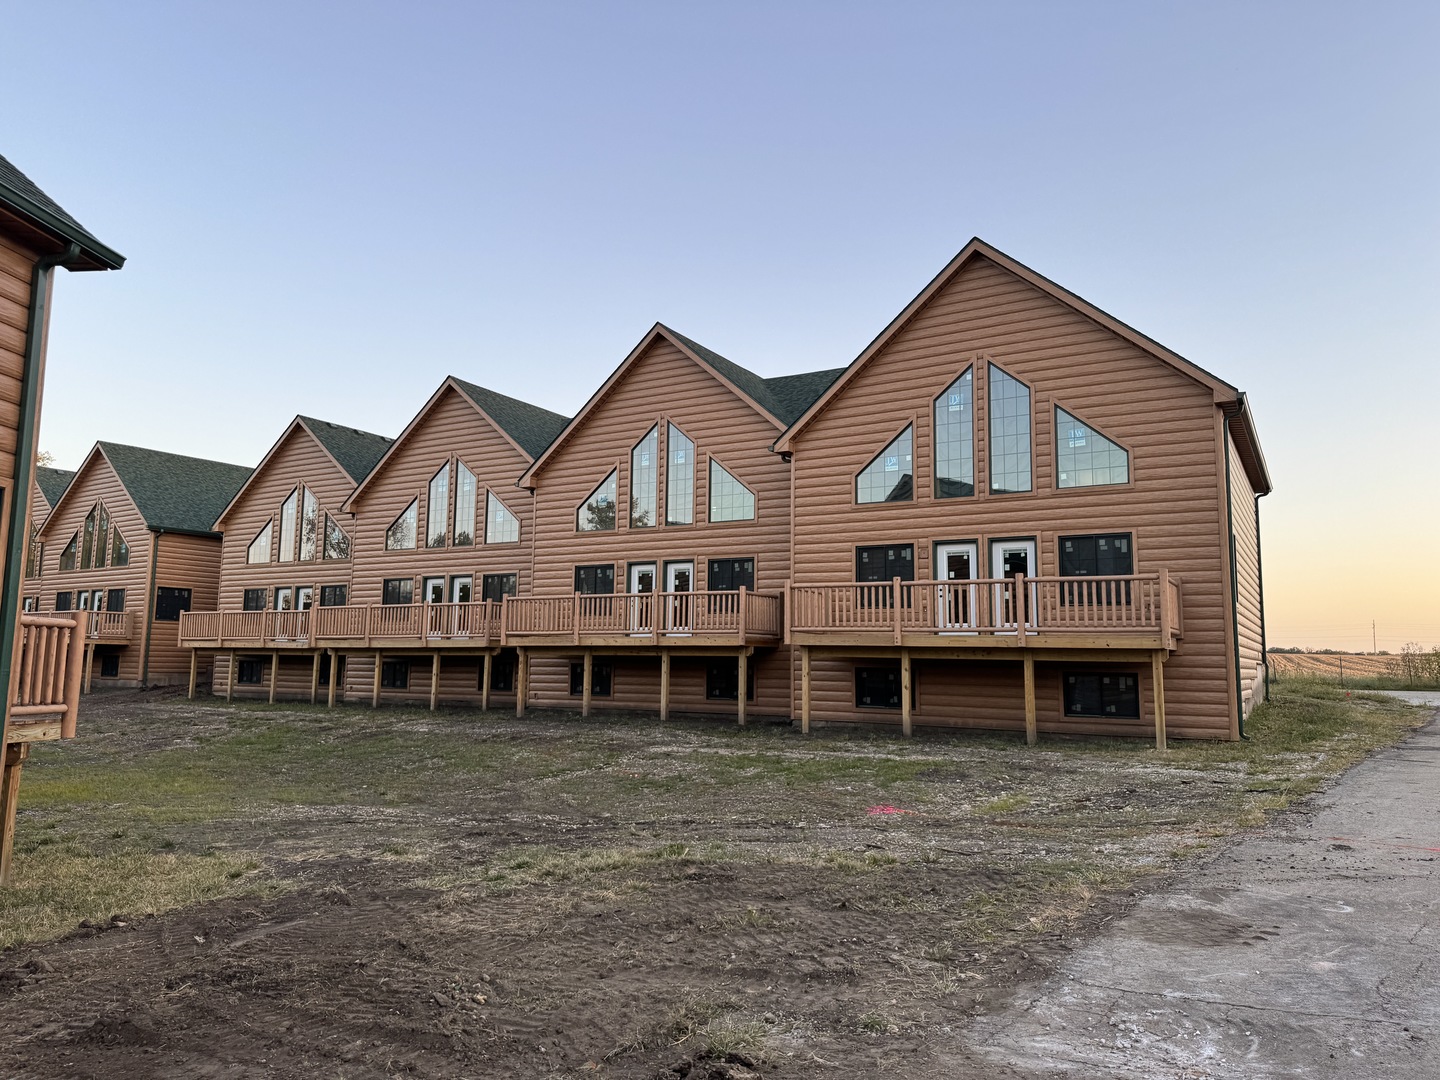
(327, 208)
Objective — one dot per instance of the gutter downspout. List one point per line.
(37, 326)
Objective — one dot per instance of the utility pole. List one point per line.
(1374, 650)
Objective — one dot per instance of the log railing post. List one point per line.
(895, 597)
(1020, 605)
(742, 610)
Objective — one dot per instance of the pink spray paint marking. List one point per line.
(876, 810)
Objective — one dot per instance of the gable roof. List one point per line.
(1224, 393)
(173, 492)
(779, 400)
(53, 482)
(22, 197)
(528, 428)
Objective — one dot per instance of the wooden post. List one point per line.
(1157, 675)
(488, 663)
(664, 684)
(785, 611)
(895, 599)
(90, 668)
(1020, 599)
(230, 679)
(742, 662)
(315, 677)
(585, 687)
(1031, 731)
(194, 664)
(435, 681)
(905, 726)
(1164, 607)
(805, 689)
(334, 678)
(15, 755)
(575, 620)
(742, 613)
(375, 689)
(522, 680)
(274, 674)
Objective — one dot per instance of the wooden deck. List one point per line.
(109, 628)
(629, 621)
(474, 625)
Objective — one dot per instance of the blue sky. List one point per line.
(327, 208)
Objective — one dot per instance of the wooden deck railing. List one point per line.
(1136, 605)
(475, 622)
(106, 626)
(46, 680)
(741, 615)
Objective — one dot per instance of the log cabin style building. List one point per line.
(131, 544)
(1011, 510)
(49, 485)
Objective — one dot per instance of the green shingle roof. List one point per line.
(19, 193)
(357, 451)
(172, 491)
(784, 397)
(529, 425)
(53, 482)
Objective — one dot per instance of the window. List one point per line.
(31, 603)
(337, 543)
(119, 550)
(325, 669)
(400, 590)
(955, 439)
(284, 598)
(250, 671)
(87, 549)
(890, 476)
(464, 505)
(1009, 433)
(395, 674)
(115, 600)
(595, 579)
(110, 664)
(679, 478)
(254, 600)
(1100, 555)
(309, 526)
(730, 500)
(1102, 694)
(722, 680)
(1084, 457)
(169, 603)
(332, 595)
(304, 597)
(601, 678)
(645, 480)
(437, 507)
(597, 513)
(462, 589)
(731, 574)
(34, 555)
(496, 587)
(63, 601)
(67, 556)
(82, 600)
(502, 674)
(433, 590)
(101, 535)
(501, 526)
(878, 687)
(287, 527)
(885, 562)
(401, 534)
(259, 549)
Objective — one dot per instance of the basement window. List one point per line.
(249, 672)
(601, 679)
(395, 674)
(1103, 694)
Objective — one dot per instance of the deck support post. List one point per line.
(522, 680)
(664, 685)
(742, 663)
(90, 668)
(905, 721)
(15, 755)
(230, 679)
(1031, 731)
(486, 667)
(585, 688)
(315, 677)
(435, 681)
(334, 678)
(1157, 675)
(274, 674)
(194, 665)
(804, 689)
(375, 686)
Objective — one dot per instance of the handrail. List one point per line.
(46, 680)
(476, 621)
(114, 625)
(654, 615)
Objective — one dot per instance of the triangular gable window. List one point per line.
(597, 513)
(730, 500)
(401, 534)
(119, 550)
(1084, 457)
(890, 476)
(67, 556)
(501, 526)
(337, 544)
(259, 549)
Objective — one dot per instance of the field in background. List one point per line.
(1413, 668)
(1330, 665)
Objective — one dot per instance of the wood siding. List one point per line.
(182, 562)
(1173, 505)
(17, 267)
(1248, 607)
(39, 511)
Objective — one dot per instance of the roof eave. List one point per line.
(98, 256)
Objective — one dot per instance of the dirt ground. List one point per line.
(467, 895)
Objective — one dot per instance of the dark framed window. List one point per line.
(601, 678)
(502, 674)
(498, 586)
(722, 680)
(169, 603)
(115, 600)
(882, 562)
(395, 674)
(399, 590)
(325, 669)
(254, 600)
(332, 595)
(731, 574)
(1096, 555)
(63, 600)
(595, 579)
(249, 671)
(878, 687)
(1105, 694)
(110, 664)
